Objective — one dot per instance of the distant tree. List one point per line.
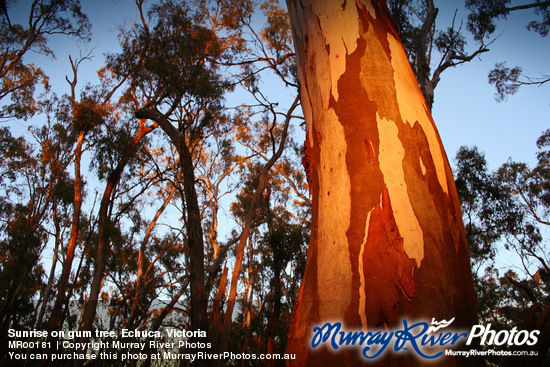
(170, 60)
(484, 14)
(115, 155)
(482, 23)
(33, 185)
(506, 212)
(18, 79)
(430, 50)
(176, 66)
(80, 117)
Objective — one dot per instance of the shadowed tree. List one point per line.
(506, 215)
(25, 201)
(387, 237)
(172, 60)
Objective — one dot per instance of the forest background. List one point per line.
(152, 171)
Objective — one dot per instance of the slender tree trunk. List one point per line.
(387, 238)
(102, 250)
(71, 247)
(276, 292)
(199, 300)
(51, 277)
(247, 304)
(103, 234)
(216, 312)
(275, 312)
(142, 273)
(247, 227)
(160, 318)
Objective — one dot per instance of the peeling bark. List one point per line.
(387, 238)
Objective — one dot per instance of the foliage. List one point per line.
(183, 60)
(117, 218)
(506, 215)
(482, 22)
(484, 14)
(19, 79)
(416, 25)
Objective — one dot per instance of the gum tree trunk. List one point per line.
(387, 238)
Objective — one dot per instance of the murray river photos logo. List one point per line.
(428, 341)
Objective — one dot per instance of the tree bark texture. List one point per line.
(387, 238)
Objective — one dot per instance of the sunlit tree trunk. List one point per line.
(387, 238)
(71, 247)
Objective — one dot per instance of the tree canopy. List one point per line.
(172, 190)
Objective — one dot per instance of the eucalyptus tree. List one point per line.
(387, 237)
(506, 216)
(172, 61)
(81, 117)
(45, 18)
(34, 199)
(115, 154)
(432, 50)
(26, 198)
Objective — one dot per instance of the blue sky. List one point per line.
(465, 109)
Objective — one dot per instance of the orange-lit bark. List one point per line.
(71, 247)
(387, 238)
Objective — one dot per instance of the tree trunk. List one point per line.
(387, 238)
(51, 277)
(142, 272)
(103, 247)
(199, 298)
(195, 262)
(103, 228)
(157, 323)
(247, 227)
(71, 247)
(274, 314)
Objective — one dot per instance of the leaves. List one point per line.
(505, 80)
(506, 216)
(18, 79)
